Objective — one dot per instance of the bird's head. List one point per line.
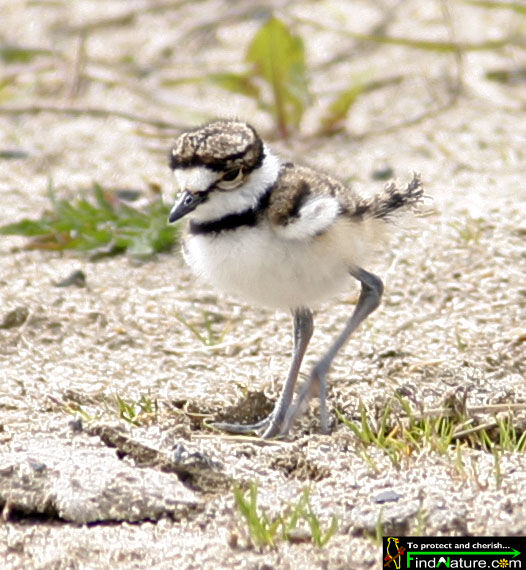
(212, 165)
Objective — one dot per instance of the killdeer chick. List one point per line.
(276, 234)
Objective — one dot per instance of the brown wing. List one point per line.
(297, 184)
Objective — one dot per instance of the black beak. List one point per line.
(186, 204)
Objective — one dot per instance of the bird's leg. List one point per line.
(303, 327)
(273, 424)
(371, 293)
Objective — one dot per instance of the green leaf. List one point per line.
(342, 104)
(19, 54)
(278, 57)
(314, 524)
(236, 82)
(27, 228)
(102, 201)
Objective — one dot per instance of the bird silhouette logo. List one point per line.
(394, 553)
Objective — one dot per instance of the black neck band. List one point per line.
(233, 221)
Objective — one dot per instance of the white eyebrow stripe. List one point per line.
(195, 179)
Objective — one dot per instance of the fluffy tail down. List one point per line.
(392, 199)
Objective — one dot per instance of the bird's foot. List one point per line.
(266, 428)
(316, 385)
(281, 419)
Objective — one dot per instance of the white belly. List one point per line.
(259, 267)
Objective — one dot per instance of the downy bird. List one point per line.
(276, 234)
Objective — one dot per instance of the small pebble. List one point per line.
(76, 425)
(387, 497)
(76, 279)
(14, 318)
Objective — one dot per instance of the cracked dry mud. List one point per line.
(105, 493)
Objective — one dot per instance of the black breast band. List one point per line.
(248, 218)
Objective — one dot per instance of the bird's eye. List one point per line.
(231, 179)
(231, 174)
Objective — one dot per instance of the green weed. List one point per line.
(303, 510)
(277, 76)
(402, 434)
(210, 337)
(274, 69)
(261, 527)
(76, 409)
(264, 530)
(382, 435)
(509, 438)
(136, 413)
(103, 225)
(469, 230)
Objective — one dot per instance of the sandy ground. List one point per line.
(451, 324)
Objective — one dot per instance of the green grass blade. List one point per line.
(297, 512)
(330, 532)
(314, 525)
(518, 7)
(432, 45)
(236, 83)
(102, 201)
(420, 44)
(29, 228)
(241, 502)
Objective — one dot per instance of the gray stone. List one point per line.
(88, 484)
